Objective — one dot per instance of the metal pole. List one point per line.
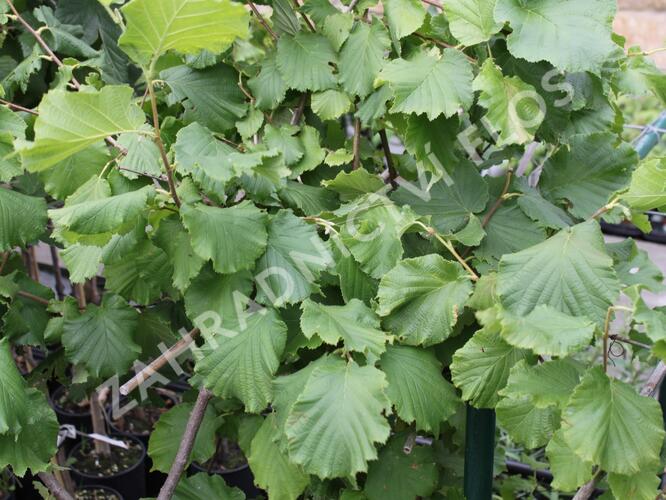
(650, 136)
(479, 453)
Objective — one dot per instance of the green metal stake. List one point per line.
(651, 136)
(479, 453)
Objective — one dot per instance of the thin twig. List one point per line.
(34, 297)
(646, 52)
(606, 333)
(444, 45)
(261, 19)
(18, 107)
(625, 340)
(499, 200)
(41, 41)
(447, 244)
(81, 296)
(54, 486)
(393, 175)
(296, 117)
(102, 448)
(307, 20)
(609, 206)
(586, 491)
(186, 444)
(160, 144)
(173, 352)
(356, 144)
(655, 379)
(57, 273)
(433, 3)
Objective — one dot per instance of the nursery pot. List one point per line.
(130, 483)
(81, 420)
(154, 479)
(97, 492)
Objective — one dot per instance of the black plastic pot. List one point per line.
(154, 479)
(130, 483)
(81, 421)
(106, 489)
(241, 477)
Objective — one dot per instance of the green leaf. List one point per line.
(165, 438)
(102, 338)
(417, 388)
(268, 87)
(216, 293)
(330, 104)
(33, 445)
(64, 178)
(430, 83)
(271, 467)
(354, 323)
(304, 61)
(569, 471)
(527, 424)
(588, 173)
(232, 237)
(640, 486)
(421, 299)
(294, 258)
(174, 240)
(284, 18)
(647, 190)
(541, 210)
(23, 219)
(450, 202)
(601, 425)
(69, 122)
(354, 282)
(570, 272)
(397, 475)
(337, 28)
(313, 153)
(186, 26)
(573, 35)
(211, 96)
(371, 229)
(13, 398)
(547, 332)
(202, 485)
(104, 215)
(311, 200)
(404, 17)
(514, 107)
(241, 364)
(362, 57)
(283, 139)
(82, 261)
(472, 21)
(350, 185)
(432, 142)
(546, 384)
(481, 367)
(334, 424)
(634, 267)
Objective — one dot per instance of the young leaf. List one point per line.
(186, 26)
(430, 83)
(472, 21)
(404, 17)
(69, 122)
(416, 387)
(421, 298)
(241, 364)
(334, 424)
(354, 323)
(648, 186)
(601, 424)
(570, 272)
(232, 237)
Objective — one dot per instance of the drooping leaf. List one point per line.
(472, 21)
(330, 104)
(601, 425)
(186, 26)
(648, 186)
(202, 485)
(362, 56)
(102, 338)
(570, 272)
(335, 422)
(638, 486)
(174, 240)
(304, 61)
(421, 298)
(268, 87)
(22, 219)
(430, 83)
(14, 401)
(69, 122)
(569, 471)
(233, 238)
(527, 424)
(242, 363)
(404, 17)
(416, 387)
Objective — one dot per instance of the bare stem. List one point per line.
(433, 3)
(54, 486)
(34, 297)
(99, 425)
(186, 444)
(57, 273)
(306, 18)
(389, 157)
(173, 352)
(499, 200)
(296, 117)
(654, 380)
(11, 105)
(261, 19)
(160, 144)
(606, 333)
(586, 491)
(356, 144)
